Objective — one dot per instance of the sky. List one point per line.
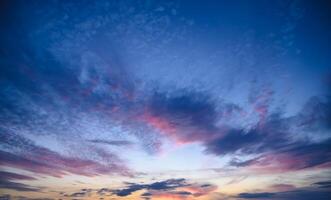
(157, 100)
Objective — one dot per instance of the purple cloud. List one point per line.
(6, 182)
(41, 160)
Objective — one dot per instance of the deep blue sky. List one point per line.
(165, 99)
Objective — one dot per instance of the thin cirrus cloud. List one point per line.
(112, 142)
(7, 182)
(22, 153)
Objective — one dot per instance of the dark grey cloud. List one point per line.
(317, 190)
(233, 141)
(82, 193)
(273, 140)
(273, 134)
(297, 156)
(104, 191)
(323, 184)
(175, 187)
(29, 198)
(146, 194)
(187, 108)
(182, 193)
(184, 115)
(78, 194)
(162, 185)
(14, 176)
(302, 194)
(167, 184)
(7, 182)
(5, 197)
(262, 195)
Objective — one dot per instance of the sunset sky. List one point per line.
(160, 100)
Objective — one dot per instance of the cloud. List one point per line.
(288, 192)
(6, 182)
(112, 142)
(44, 95)
(270, 135)
(18, 186)
(185, 116)
(82, 193)
(198, 190)
(167, 184)
(22, 153)
(171, 188)
(188, 116)
(237, 180)
(65, 78)
(14, 176)
(302, 194)
(297, 156)
(273, 143)
(9, 197)
(233, 141)
(282, 187)
(128, 191)
(162, 185)
(5, 197)
(323, 184)
(276, 142)
(104, 191)
(316, 113)
(262, 195)
(175, 195)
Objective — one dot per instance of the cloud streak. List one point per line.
(6, 182)
(31, 157)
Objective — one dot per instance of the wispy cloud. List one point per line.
(6, 182)
(112, 142)
(31, 157)
(287, 191)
